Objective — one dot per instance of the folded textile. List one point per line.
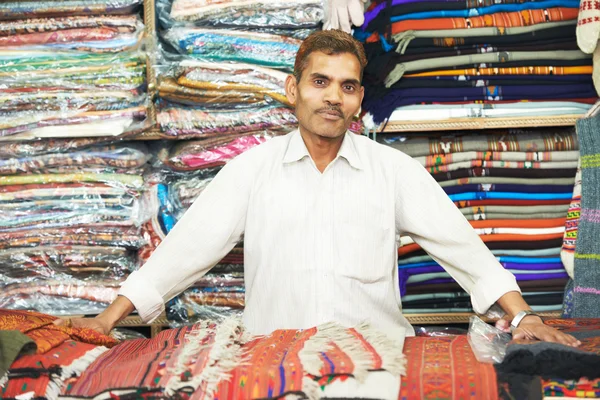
(511, 140)
(556, 360)
(9, 28)
(45, 334)
(229, 45)
(532, 156)
(20, 9)
(532, 70)
(297, 14)
(12, 345)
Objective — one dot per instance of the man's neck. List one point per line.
(322, 150)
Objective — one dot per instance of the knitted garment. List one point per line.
(588, 25)
(586, 298)
(567, 253)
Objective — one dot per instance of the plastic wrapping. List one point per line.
(259, 13)
(438, 331)
(20, 265)
(487, 342)
(22, 9)
(59, 297)
(268, 50)
(48, 146)
(104, 34)
(58, 94)
(222, 85)
(186, 122)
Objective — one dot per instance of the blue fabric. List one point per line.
(474, 12)
(510, 195)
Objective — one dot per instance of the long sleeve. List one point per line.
(206, 233)
(425, 213)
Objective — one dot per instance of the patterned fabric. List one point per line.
(544, 70)
(42, 376)
(582, 388)
(45, 334)
(205, 358)
(587, 249)
(567, 253)
(21, 9)
(507, 140)
(445, 368)
(9, 28)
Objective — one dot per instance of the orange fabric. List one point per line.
(491, 238)
(584, 70)
(500, 20)
(519, 223)
(45, 334)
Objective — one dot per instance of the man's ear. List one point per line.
(290, 89)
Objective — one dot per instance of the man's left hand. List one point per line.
(532, 328)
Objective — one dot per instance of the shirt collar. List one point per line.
(296, 150)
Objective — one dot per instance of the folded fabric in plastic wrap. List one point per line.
(269, 50)
(185, 122)
(21, 9)
(222, 84)
(268, 13)
(64, 94)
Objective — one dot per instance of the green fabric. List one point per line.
(12, 345)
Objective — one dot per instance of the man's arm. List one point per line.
(206, 233)
(426, 213)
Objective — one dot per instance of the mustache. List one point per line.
(335, 109)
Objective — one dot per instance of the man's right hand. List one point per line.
(97, 324)
(105, 321)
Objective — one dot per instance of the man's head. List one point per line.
(326, 87)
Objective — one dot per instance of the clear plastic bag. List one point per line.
(487, 342)
(222, 85)
(186, 122)
(61, 94)
(268, 50)
(264, 13)
(22, 9)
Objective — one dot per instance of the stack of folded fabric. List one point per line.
(225, 62)
(514, 187)
(69, 225)
(446, 60)
(71, 68)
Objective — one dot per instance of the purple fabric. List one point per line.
(578, 90)
(372, 14)
(499, 187)
(433, 268)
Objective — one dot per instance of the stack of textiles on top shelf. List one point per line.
(70, 213)
(223, 65)
(71, 68)
(514, 186)
(447, 60)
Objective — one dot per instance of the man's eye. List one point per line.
(319, 81)
(349, 88)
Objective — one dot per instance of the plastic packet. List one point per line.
(296, 14)
(438, 331)
(185, 122)
(268, 50)
(59, 297)
(85, 263)
(487, 342)
(222, 84)
(49, 146)
(22, 9)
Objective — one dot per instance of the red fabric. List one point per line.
(445, 368)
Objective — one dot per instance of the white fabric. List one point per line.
(342, 14)
(319, 247)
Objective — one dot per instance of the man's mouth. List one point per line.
(330, 114)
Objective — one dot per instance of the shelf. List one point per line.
(456, 318)
(480, 123)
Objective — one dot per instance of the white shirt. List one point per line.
(319, 247)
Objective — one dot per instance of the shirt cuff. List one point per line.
(144, 296)
(489, 289)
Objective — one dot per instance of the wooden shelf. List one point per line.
(480, 123)
(456, 318)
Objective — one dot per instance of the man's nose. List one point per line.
(333, 94)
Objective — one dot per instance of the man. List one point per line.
(320, 210)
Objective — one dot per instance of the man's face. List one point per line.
(328, 94)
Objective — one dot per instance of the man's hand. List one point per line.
(532, 328)
(97, 324)
(342, 14)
